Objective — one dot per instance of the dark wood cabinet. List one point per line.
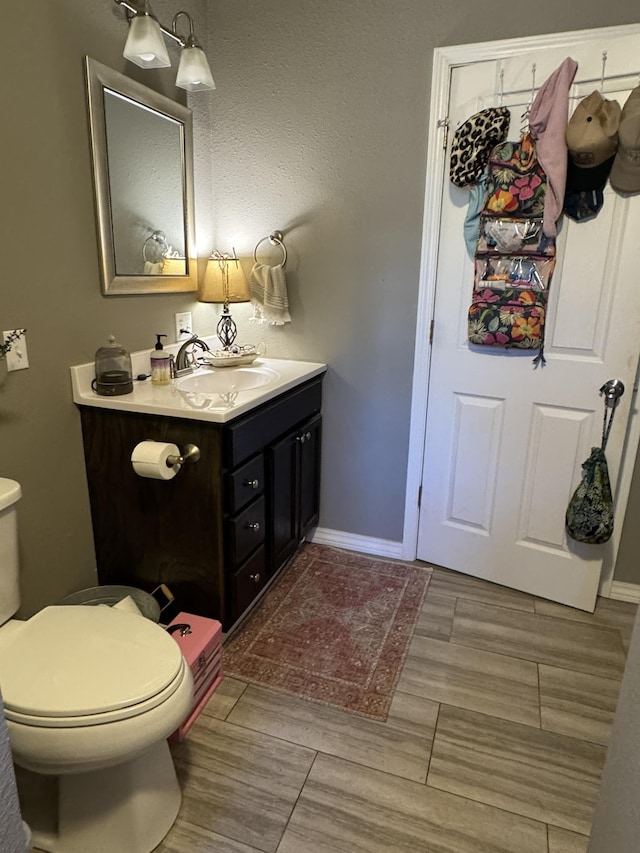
(223, 527)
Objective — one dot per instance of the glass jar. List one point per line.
(114, 374)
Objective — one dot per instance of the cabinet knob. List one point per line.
(255, 577)
(307, 436)
(301, 438)
(253, 525)
(253, 484)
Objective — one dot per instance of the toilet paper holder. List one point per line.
(161, 460)
(191, 453)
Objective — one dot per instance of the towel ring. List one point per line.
(160, 245)
(276, 240)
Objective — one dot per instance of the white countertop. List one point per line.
(174, 402)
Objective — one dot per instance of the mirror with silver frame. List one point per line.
(142, 153)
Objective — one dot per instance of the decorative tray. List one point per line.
(227, 358)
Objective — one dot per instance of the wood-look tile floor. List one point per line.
(494, 744)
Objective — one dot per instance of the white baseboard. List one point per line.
(625, 591)
(354, 542)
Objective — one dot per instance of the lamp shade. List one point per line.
(174, 265)
(194, 73)
(145, 43)
(213, 285)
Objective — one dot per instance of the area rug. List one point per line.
(335, 628)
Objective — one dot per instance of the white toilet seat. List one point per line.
(100, 718)
(71, 666)
(78, 749)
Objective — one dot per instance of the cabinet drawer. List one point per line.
(245, 532)
(244, 484)
(247, 582)
(248, 435)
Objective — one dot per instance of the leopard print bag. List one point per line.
(473, 142)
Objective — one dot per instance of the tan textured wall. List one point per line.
(320, 129)
(50, 281)
(318, 126)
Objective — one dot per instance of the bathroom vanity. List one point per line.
(224, 526)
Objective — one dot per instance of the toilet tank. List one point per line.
(10, 494)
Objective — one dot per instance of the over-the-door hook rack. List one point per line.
(533, 80)
(604, 65)
(527, 111)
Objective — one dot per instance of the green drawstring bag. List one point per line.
(589, 515)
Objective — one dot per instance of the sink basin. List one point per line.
(230, 380)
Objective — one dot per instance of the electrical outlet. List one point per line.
(17, 357)
(184, 325)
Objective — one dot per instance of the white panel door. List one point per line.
(504, 442)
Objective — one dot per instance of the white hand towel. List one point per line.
(269, 295)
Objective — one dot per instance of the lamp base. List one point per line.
(226, 330)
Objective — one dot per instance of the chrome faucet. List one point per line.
(187, 359)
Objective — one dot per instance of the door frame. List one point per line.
(445, 59)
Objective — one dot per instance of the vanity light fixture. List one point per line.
(145, 46)
(224, 281)
(194, 73)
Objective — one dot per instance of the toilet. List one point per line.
(90, 696)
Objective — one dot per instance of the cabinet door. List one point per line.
(293, 490)
(282, 498)
(309, 476)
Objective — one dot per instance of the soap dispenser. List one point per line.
(160, 364)
(113, 370)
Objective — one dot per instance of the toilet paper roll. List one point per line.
(149, 459)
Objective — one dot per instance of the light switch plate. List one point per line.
(17, 357)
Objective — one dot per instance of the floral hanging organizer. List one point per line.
(517, 184)
(506, 318)
(514, 261)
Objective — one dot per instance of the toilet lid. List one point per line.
(72, 661)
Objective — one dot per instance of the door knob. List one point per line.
(612, 389)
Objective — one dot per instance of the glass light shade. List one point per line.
(212, 289)
(194, 73)
(145, 43)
